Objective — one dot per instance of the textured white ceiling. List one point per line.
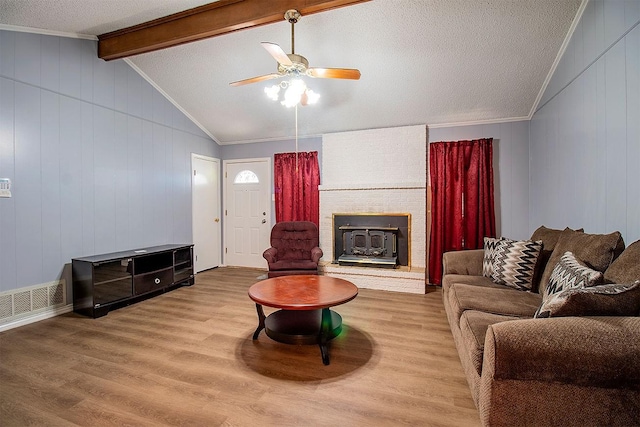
(422, 61)
(90, 17)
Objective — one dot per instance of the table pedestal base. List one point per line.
(301, 327)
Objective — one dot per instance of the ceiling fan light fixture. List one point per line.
(293, 66)
(272, 92)
(295, 92)
(312, 96)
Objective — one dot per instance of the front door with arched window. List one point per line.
(247, 211)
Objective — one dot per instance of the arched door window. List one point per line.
(246, 177)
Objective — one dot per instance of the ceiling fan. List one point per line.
(293, 65)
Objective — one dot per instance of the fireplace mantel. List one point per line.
(352, 187)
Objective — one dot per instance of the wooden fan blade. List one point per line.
(277, 53)
(255, 79)
(334, 73)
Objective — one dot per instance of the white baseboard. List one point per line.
(48, 313)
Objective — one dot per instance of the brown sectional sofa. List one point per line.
(559, 371)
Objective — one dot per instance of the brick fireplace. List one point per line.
(376, 172)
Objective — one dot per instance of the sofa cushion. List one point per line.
(495, 300)
(601, 300)
(626, 268)
(549, 238)
(514, 263)
(451, 279)
(597, 251)
(473, 327)
(468, 261)
(490, 246)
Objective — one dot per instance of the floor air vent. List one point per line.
(25, 302)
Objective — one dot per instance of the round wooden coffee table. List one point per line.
(304, 301)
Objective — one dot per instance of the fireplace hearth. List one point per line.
(371, 240)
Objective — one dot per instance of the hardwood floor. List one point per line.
(186, 357)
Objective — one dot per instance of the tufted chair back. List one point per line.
(294, 239)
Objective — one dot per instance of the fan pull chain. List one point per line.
(293, 39)
(297, 171)
(296, 141)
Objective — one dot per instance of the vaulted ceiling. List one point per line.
(435, 62)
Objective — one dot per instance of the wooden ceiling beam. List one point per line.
(205, 21)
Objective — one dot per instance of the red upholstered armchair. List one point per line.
(294, 249)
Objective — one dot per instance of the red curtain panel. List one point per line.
(296, 187)
(462, 200)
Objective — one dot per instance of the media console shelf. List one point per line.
(108, 281)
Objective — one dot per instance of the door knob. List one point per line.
(217, 220)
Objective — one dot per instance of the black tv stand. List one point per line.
(104, 282)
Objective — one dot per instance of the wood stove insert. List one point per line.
(371, 240)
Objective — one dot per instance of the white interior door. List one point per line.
(205, 194)
(247, 211)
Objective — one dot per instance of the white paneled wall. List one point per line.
(602, 24)
(99, 160)
(585, 137)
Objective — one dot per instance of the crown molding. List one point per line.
(479, 122)
(47, 32)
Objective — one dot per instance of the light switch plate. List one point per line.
(5, 187)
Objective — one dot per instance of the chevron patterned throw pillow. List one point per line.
(490, 245)
(600, 300)
(569, 273)
(514, 263)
